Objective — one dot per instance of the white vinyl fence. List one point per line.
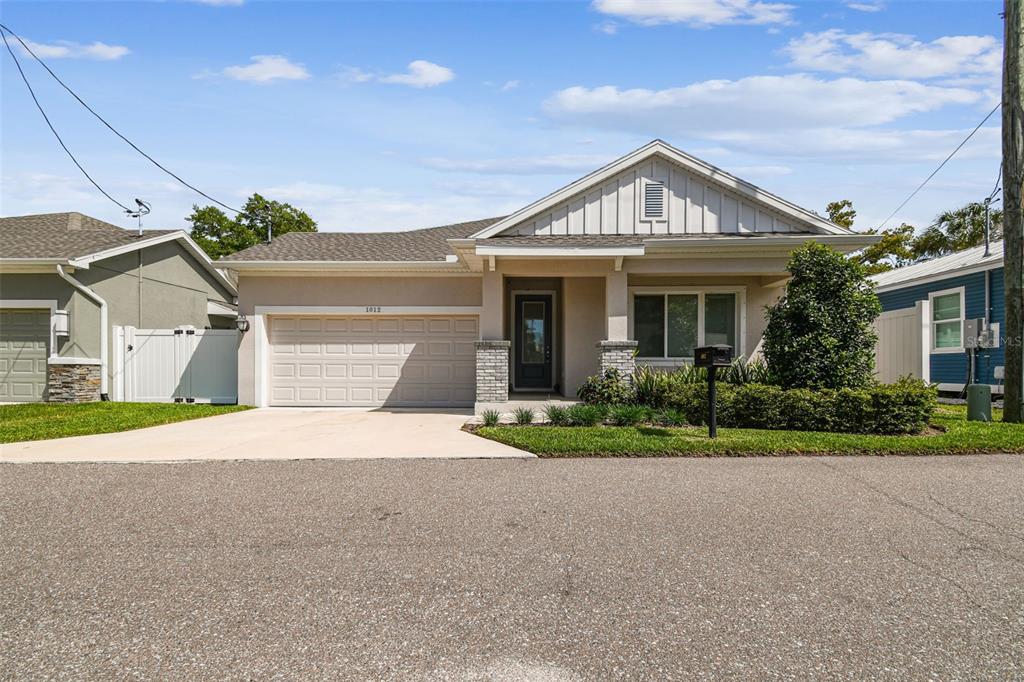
(176, 365)
(903, 343)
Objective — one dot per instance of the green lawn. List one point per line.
(39, 421)
(960, 437)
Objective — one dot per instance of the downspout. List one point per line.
(89, 293)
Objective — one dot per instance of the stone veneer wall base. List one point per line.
(73, 383)
(492, 371)
(620, 355)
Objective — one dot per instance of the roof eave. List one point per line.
(343, 266)
(845, 243)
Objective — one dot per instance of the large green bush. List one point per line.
(903, 407)
(820, 333)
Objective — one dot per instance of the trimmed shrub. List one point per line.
(610, 389)
(523, 416)
(756, 406)
(820, 333)
(490, 417)
(628, 415)
(807, 410)
(584, 415)
(556, 414)
(901, 408)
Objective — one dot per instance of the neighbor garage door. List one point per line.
(24, 336)
(406, 361)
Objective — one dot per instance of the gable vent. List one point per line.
(654, 199)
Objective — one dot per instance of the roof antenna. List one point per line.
(142, 208)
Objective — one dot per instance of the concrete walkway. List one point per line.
(277, 433)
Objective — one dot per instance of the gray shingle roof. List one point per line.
(62, 235)
(428, 244)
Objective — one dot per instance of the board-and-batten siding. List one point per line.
(694, 206)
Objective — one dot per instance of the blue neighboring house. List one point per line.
(958, 287)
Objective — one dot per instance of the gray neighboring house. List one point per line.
(66, 280)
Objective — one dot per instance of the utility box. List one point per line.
(979, 403)
(979, 334)
(718, 355)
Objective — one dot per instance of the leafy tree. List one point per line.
(820, 333)
(895, 250)
(841, 213)
(220, 235)
(957, 230)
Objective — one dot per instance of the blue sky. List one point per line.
(384, 116)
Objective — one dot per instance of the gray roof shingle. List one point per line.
(428, 244)
(62, 235)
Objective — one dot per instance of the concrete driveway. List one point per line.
(277, 433)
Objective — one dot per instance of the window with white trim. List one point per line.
(947, 320)
(668, 325)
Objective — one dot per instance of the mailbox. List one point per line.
(718, 355)
(712, 357)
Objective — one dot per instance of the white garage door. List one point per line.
(24, 337)
(406, 361)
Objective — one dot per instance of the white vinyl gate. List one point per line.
(176, 365)
(903, 344)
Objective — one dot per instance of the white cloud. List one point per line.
(871, 6)
(421, 74)
(220, 3)
(66, 49)
(895, 55)
(864, 145)
(609, 28)
(756, 103)
(523, 165)
(267, 68)
(697, 13)
(509, 85)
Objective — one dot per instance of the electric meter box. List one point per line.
(977, 334)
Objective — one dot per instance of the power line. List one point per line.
(102, 120)
(944, 162)
(52, 129)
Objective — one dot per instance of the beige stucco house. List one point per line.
(645, 258)
(68, 281)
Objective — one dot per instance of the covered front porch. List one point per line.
(548, 323)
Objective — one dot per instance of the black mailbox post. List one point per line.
(712, 357)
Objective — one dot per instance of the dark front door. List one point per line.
(533, 341)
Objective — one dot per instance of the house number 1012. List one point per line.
(373, 308)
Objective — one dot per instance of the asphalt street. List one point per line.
(891, 568)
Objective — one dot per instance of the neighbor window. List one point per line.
(947, 320)
(670, 325)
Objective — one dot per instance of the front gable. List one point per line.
(660, 190)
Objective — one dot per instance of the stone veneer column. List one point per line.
(618, 355)
(73, 382)
(492, 371)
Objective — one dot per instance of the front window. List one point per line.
(947, 321)
(670, 325)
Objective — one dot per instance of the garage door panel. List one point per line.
(24, 347)
(364, 361)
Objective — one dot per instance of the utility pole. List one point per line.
(1013, 212)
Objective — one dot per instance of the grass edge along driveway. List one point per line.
(960, 437)
(41, 421)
